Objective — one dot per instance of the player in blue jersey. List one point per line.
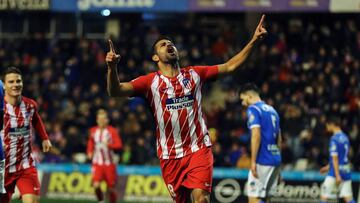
(2, 157)
(264, 124)
(338, 180)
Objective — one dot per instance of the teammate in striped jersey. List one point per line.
(2, 157)
(20, 118)
(102, 142)
(174, 95)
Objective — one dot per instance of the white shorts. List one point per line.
(330, 190)
(268, 179)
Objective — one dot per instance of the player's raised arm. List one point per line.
(114, 87)
(240, 58)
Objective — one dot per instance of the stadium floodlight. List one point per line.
(105, 12)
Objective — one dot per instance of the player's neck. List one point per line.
(256, 100)
(12, 100)
(102, 127)
(169, 70)
(336, 130)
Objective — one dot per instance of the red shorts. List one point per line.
(104, 172)
(190, 172)
(26, 181)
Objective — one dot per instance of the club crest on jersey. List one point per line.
(186, 82)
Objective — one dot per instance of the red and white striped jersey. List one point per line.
(102, 143)
(19, 124)
(176, 105)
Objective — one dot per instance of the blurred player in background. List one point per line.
(102, 142)
(264, 123)
(174, 95)
(21, 117)
(338, 179)
(2, 157)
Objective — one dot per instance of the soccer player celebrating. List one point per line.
(2, 157)
(264, 123)
(174, 95)
(20, 118)
(338, 179)
(102, 141)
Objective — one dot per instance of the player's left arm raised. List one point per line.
(236, 61)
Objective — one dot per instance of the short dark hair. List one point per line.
(249, 87)
(159, 39)
(332, 119)
(10, 70)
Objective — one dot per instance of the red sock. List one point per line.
(99, 194)
(112, 197)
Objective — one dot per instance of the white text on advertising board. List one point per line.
(87, 4)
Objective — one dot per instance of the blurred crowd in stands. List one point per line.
(307, 68)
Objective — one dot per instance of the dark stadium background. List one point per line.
(308, 67)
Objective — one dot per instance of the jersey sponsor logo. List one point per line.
(179, 102)
(18, 132)
(345, 168)
(274, 149)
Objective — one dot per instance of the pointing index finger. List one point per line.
(262, 20)
(111, 46)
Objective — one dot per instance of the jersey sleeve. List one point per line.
(38, 124)
(253, 116)
(90, 144)
(141, 84)
(207, 72)
(116, 143)
(1, 96)
(1, 107)
(333, 148)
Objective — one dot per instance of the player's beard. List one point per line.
(172, 58)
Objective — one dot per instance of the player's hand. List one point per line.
(89, 156)
(111, 57)
(324, 169)
(260, 31)
(46, 144)
(338, 180)
(253, 170)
